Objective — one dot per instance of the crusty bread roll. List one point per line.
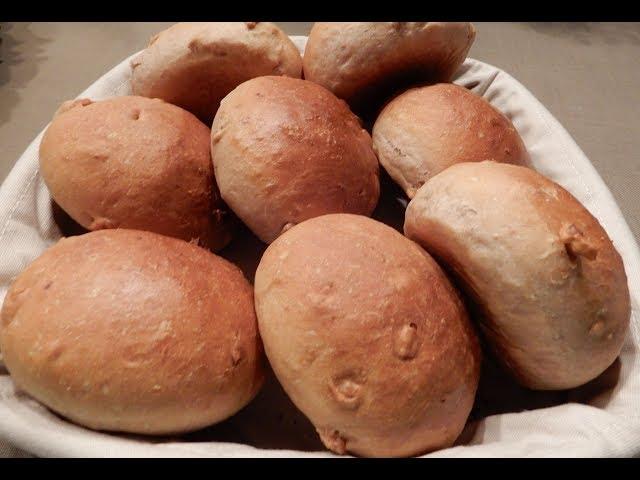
(425, 130)
(133, 162)
(363, 62)
(132, 331)
(550, 285)
(367, 337)
(285, 150)
(195, 65)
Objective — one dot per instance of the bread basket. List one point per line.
(600, 419)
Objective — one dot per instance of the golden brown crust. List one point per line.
(367, 337)
(132, 331)
(550, 282)
(425, 130)
(285, 150)
(133, 162)
(362, 62)
(196, 64)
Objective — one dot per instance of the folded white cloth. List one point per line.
(606, 422)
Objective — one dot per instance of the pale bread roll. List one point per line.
(550, 284)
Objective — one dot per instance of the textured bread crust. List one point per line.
(367, 337)
(195, 65)
(285, 150)
(132, 331)
(133, 162)
(363, 62)
(552, 287)
(425, 130)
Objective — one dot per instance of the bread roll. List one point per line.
(550, 284)
(285, 150)
(367, 337)
(133, 162)
(131, 331)
(363, 62)
(195, 65)
(425, 130)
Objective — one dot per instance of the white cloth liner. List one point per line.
(610, 426)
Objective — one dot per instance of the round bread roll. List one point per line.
(285, 150)
(550, 285)
(132, 331)
(363, 62)
(367, 337)
(133, 162)
(425, 130)
(195, 65)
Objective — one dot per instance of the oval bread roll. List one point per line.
(551, 286)
(285, 150)
(131, 331)
(364, 62)
(196, 64)
(425, 130)
(133, 162)
(367, 337)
